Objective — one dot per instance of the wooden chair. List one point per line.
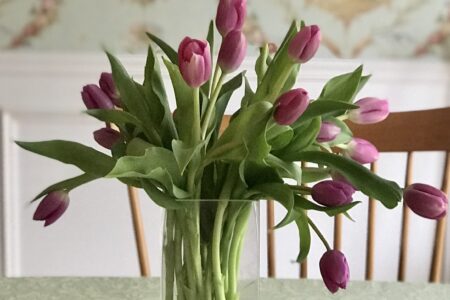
(431, 129)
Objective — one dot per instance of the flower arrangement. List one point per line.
(183, 156)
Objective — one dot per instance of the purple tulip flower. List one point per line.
(362, 151)
(334, 270)
(339, 177)
(94, 98)
(328, 132)
(305, 44)
(194, 61)
(290, 106)
(107, 137)
(371, 110)
(426, 201)
(232, 51)
(332, 193)
(52, 207)
(230, 15)
(108, 86)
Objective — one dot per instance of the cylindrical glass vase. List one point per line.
(211, 251)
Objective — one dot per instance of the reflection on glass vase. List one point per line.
(211, 251)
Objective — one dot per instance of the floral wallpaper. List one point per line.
(351, 28)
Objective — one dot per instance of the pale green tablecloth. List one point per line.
(140, 289)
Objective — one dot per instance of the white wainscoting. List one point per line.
(40, 100)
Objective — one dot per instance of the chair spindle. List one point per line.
(371, 233)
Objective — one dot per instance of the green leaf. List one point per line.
(168, 50)
(387, 192)
(137, 147)
(158, 164)
(323, 109)
(252, 173)
(261, 64)
(304, 136)
(210, 38)
(86, 158)
(343, 87)
(184, 153)
(133, 98)
(118, 117)
(160, 198)
(68, 184)
(285, 169)
(303, 203)
(362, 83)
(236, 144)
(314, 174)
(282, 194)
(304, 233)
(279, 136)
(184, 117)
(292, 79)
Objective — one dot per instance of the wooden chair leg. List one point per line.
(138, 225)
(337, 241)
(439, 238)
(271, 271)
(370, 251)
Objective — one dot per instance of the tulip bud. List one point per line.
(194, 60)
(334, 270)
(305, 44)
(426, 201)
(332, 193)
(94, 98)
(107, 137)
(336, 176)
(371, 110)
(107, 85)
(232, 51)
(230, 15)
(328, 132)
(52, 207)
(290, 106)
(362, 151)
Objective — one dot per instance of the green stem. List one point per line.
(179, 257)
(169, 255)
(216, 268)
(211, 105)
(304, 190)
(217, 73)
(236, 247)
(319, 234)
(196, 122)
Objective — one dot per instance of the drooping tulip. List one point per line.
(362, 151)
(332, 193)
(108, 86)
(426, 201)
(194, 61)
(334, 270)
(371, 110)
(94, 98)
(305, 44)
(336, 176)
(290, 106)
(328, 132)
(107, 137)
(232, 51)
(52, 207)
(230, 15)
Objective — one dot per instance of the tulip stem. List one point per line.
(304, 190)
(217, 72)
(319, 234)
(342, 118)
(211, 105)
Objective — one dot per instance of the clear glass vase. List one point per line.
(211, 251)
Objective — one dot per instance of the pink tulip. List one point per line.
(305, 44)
(328, 132)
(94, 98)
(332, 193)
(290, 106)
(362, 151)
(426, 201)
(371, 110)
(107, 137)
(107, 85)
(230, 15)
(194, 60)
(232, 51)
(52, 207)
(334, 270)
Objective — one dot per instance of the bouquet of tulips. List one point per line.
(182, 156)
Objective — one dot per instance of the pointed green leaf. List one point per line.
(343, 87)
(168, 50)
(160, 198)
(304, 233)
(303, 203)
(184, 153)
(86, 158)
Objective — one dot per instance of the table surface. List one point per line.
(75, 288)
